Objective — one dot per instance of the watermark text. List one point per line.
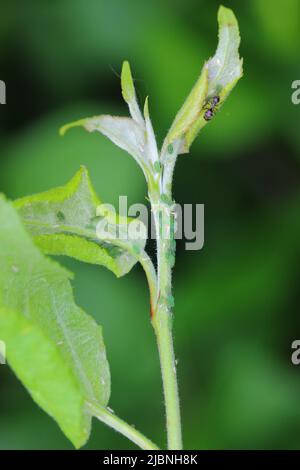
(2, 352)
(2, 92)
(179, 222)
(296, 94)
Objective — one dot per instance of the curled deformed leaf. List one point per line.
(135, 135)
(55, 348)
(219, 75)
(225, 67)
(122, 131)
(64, 221)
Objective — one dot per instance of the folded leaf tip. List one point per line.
(218, 77)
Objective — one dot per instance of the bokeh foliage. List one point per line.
(237, 299)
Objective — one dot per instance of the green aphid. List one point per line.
(171, 301)
(172, 228)
(136, 249)
(170, 258)
(157, 166)
(170, 149)
(114, 251)
(61, 216)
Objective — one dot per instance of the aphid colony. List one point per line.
(211, 107)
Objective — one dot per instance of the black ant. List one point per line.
(212, 104)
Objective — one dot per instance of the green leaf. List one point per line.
(219, 75)
(189, 112)
(55, 349)
(128, 92)
(64, 221)
(127, 85)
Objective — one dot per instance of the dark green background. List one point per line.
(237, 300)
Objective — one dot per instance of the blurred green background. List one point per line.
(237, 299)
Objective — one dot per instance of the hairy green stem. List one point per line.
(163, 330)
(162, 317)
(111, 420)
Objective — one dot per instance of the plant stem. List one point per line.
(110, 419)
(163, 332)
(162, 318)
